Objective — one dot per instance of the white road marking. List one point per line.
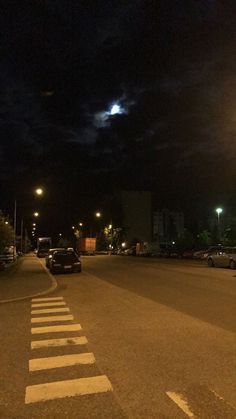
(181, 402)
(53, 329)
(67, 388)
(47, 299)
(221, 398)
(53, 303)
(52, 319)
(51, 310)
(79, 340)
(61, 361)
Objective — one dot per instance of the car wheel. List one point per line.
(232, 264)
(210, 263)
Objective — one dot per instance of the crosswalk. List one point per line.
(50, 311)
(54, 331)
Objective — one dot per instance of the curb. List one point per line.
(27, 297)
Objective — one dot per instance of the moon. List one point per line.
(115, 109)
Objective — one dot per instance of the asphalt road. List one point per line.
(159, 336)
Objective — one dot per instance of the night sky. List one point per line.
(97, 96)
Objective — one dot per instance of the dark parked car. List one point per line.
(48, 257)
(65, 261)
(42, 253)
(187, 254)
(2, 265)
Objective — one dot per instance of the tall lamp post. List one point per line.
(97, 215)
(219, 211)
(38, 192)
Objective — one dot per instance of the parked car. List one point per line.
(65, 261)
(223, 258)
(42, 253)
(49, 256)
(2, 265)
(203, 254)
(131, 251)
(187, 254)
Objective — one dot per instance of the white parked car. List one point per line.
(223, 258)
(203, 254)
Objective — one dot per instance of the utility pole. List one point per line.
(21, 236)
(14, 252)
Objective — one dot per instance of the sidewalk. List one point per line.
(25, 278)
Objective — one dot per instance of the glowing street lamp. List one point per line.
(36, 214)
(219, 211)
(39, 191)
(98, 214)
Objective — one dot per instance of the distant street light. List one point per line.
(39, 191)
(47, 93)
(6, 222)
(219, 211)
(73, 227)
(98, 214)
(60, 234)
(36, 214)
(80, 224)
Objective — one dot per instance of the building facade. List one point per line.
(137, 215)
(167, 226)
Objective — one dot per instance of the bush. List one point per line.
(6, 234)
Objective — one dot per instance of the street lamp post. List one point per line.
(219, 211)
(38, 192)
(14, 251)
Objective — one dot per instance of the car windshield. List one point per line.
(66, 257)
(51, 251)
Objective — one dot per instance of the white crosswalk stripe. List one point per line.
(47, 299)
(52, 319)
(51, 310)
(55, 329)
(67, 388)
(51, 304)
(60, 361)
(79, 340)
